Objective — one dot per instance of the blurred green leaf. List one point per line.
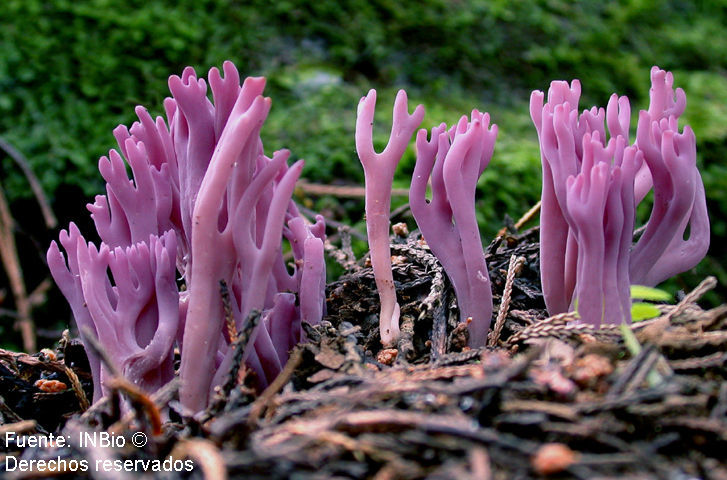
(642, 292)
(643, 311)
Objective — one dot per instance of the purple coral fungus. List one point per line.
(205, 199)
(454, 160)
(379, 174)
(593, 183)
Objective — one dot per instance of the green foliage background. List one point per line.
(71, 70)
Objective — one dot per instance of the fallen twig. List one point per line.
(516, 264)
(263, 402)
(206, 454)
(48, 215)
(11, 262)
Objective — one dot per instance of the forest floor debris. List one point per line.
(547, 399)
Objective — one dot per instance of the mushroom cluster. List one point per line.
(193, 242)
(207, 204)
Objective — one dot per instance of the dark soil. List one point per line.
(549, 399)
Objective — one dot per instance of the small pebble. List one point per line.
(553, 458)
(50, 386)
(387, 356)
(589, 369)
(400, 229)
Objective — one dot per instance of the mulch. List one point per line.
(546, 398)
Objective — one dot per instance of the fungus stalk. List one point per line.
(379, 171)
(454, 159)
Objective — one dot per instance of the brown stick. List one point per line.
(513, 269)
(22, 426)
(205, 453)
(527, 216)
(77, 389)
(11, 263)
(20, 160)
(704, 286)
(342, 191)
(135, 394)
(265, 398)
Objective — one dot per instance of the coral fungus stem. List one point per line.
(379, 175)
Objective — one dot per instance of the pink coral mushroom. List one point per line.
(591, 186)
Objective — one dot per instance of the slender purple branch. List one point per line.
(212, 253)
(379, 175)
(448, 222)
